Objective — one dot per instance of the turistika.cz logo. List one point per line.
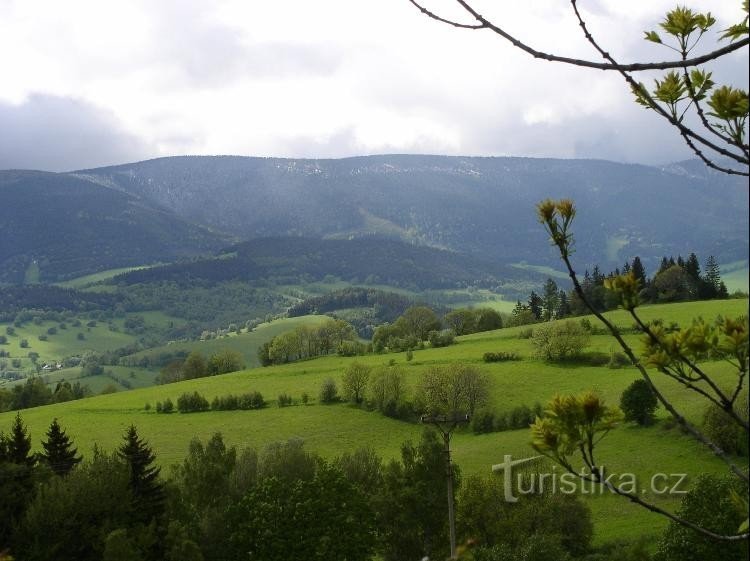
(529, 483)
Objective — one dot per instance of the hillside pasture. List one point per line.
(334, 429)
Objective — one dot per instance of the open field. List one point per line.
(245, 343)
(88, 280)
(333, 429)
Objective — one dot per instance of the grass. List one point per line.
(333, 429)
(245, 343)
(63, 343)
(94, 278)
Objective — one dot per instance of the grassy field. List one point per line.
(88, 280)
(333, 429)
(245, 343)
(65, 342)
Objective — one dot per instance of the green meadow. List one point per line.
(334, 429)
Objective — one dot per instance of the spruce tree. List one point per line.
(563, 305)
(18, 444)
(639, 271)
(550, 300)
(713, 274)
(535, 305)
(59, 453)
(148, 491)
(693, 268)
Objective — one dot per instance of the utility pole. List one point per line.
(446, 424)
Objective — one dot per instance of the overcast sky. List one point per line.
(85, 83)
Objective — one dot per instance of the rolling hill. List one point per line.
(58, 226)
(483, 206)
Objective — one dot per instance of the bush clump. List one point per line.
(638, 403)
(192, 403)
(499, 357)
(560, 340)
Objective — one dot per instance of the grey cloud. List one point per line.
(58, 133)
(630, 134)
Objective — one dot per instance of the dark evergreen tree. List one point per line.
(713, 274)
(59, 453)
(680, 261)
(722, 293)
(664, 265)
(518, 308)
(148, 491)
(596, 276)
(693, 268)
(550, 300)
(535, 304)
(16, 478)
(18, 444)
(563, 305)
(626, 268)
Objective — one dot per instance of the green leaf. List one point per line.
(729, 103)
(671, 89)
(652, 36)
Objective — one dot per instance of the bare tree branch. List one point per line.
(632, 67)
(684, 131)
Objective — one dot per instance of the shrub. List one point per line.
(526, 333)
(483, 422)
(617, 359)
(284, 400)
(442, 338)
(560, 340)
(328, 391)
(24, 343)
(43, 337)
(147, 407)
(724, 431)
(499, 357)
(305, 398)
(159, 408)
(638, 403)
(167, 406)
(710, 505)
(191, 403)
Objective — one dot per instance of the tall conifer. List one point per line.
(59, 453)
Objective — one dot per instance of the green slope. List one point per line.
(334, 429)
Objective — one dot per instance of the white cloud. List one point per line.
(336, 77)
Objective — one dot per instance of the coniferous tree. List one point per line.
(713, 274)
(563, 305)
(18, 444)
(693, 268)
(722, 293)
(550, 300)
(59, 453)
(664, 265)
(148, 491)
(535, 305)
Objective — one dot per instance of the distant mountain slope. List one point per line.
(59, 226)
(478, 205)
(368, 260)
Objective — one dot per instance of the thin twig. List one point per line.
(484, 23)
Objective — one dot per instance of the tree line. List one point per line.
(307, 341)
(675, 280)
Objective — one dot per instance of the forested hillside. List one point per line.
(475, 205)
